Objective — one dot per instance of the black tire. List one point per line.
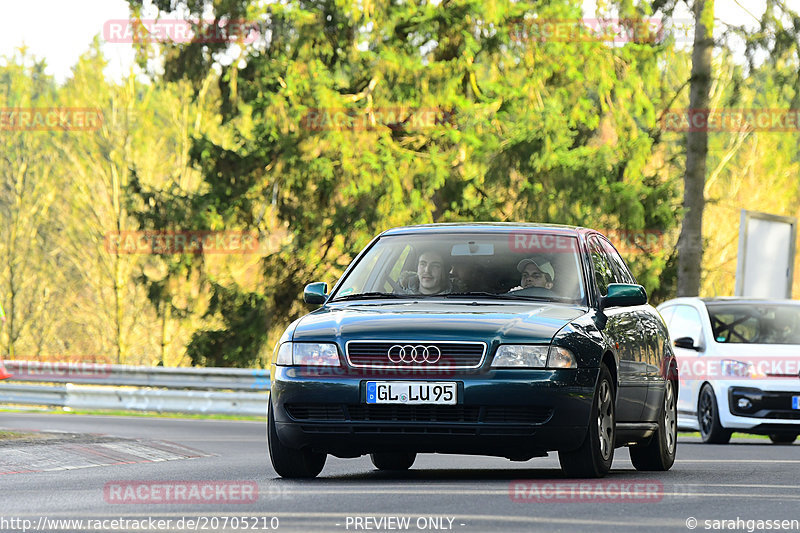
(657, 454)
(594, 456)
(289, 462)
(392, 461)
(711, 430)
(782, 438)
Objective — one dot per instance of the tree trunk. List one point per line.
(690, 244)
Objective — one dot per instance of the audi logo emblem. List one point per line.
(409, 353)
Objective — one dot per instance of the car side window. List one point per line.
(621, 272)
(685, 323)
(666, 314)
(601, 265)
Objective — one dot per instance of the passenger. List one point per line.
(535, 275)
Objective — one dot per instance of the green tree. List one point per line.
(523, 130)
(28, 191)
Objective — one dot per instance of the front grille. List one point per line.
(374, 354)
(765, 404)
(429, 414)
(414, 413)
(785, 415)
(315, 411)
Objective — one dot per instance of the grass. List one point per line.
(147, 414)
(734, 436)
(16, 435)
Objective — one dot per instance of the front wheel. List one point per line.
(711, 430)
(594, 456)
(392, 461)
(782, 438)
(289, 462)
(658, 453)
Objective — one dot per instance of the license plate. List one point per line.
(795, 402)
(412, 392)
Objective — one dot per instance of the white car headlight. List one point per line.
(307, 354)
(738, 369)
(531, 356)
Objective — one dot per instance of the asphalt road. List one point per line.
(199, 475)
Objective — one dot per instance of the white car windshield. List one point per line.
(514, 265)
(755, 323)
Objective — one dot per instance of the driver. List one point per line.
(432, 275)
(535, 275)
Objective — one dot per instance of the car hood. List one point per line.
(424, 320)
(749, 351)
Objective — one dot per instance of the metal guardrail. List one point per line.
(139, 376)
(161, 389)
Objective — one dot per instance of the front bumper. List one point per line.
(517, 414)
(770, 404)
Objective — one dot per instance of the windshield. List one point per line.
(515, 266)
(755, 323)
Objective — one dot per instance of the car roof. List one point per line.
(731, 300)
(487, 227)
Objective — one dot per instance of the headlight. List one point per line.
(738, 369)
(560, 358)
(530, 356)
(307, 354)
(520, 355)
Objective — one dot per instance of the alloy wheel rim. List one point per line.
(670, 418)
(705, 413)
(605, 420)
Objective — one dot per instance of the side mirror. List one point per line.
(623, 295)
(315, 293)
(687, 343)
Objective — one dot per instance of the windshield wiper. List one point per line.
(368, 295)
(503, 296)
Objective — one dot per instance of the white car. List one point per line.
(738, 364)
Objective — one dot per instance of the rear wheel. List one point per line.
(595, 455)
(658, 454)
(711, 429)
(290, 462)
(782, 438)
(392, 461)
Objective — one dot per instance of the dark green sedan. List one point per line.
(511, 340)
